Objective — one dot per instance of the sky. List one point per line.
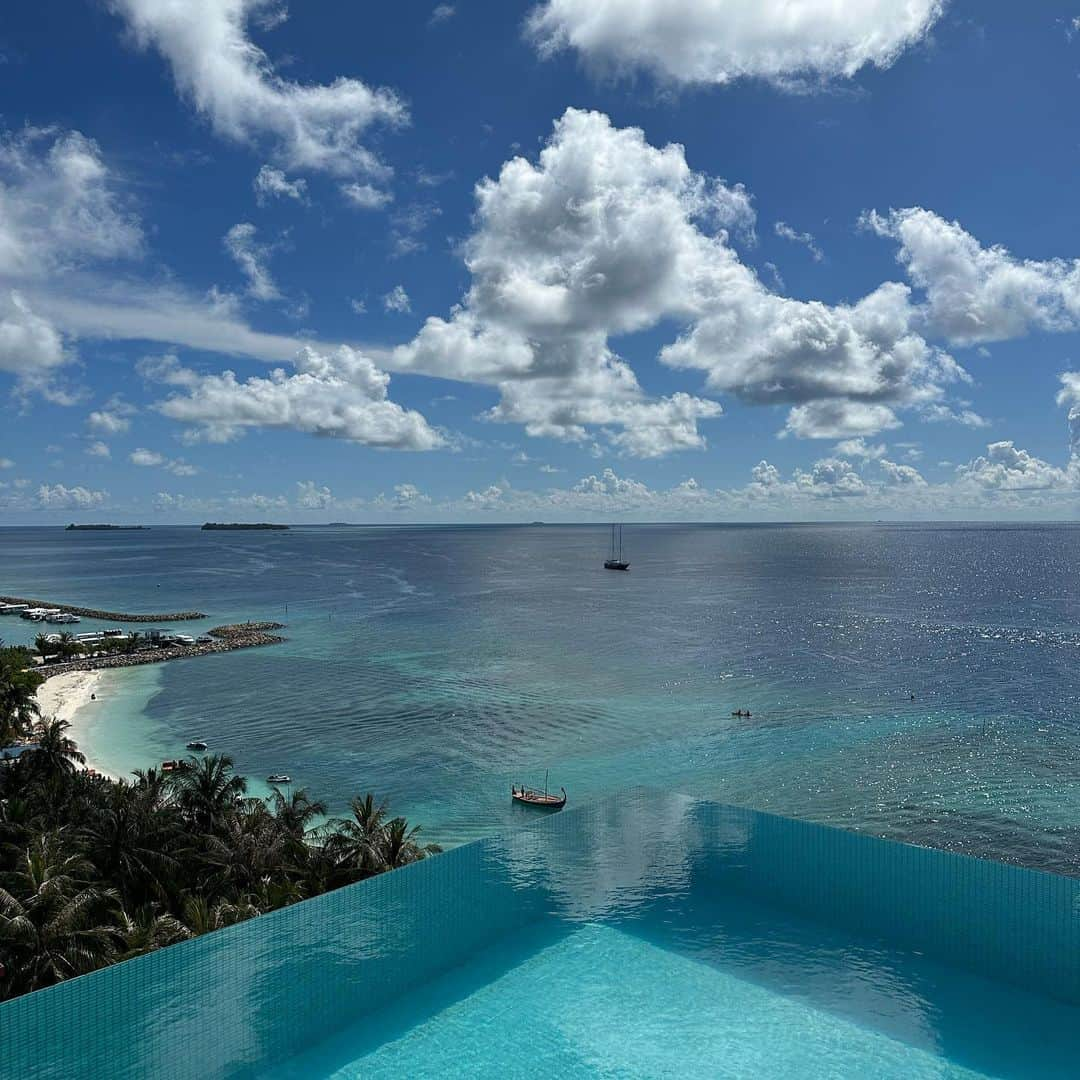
(557, 260)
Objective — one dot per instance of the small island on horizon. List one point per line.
(115, 528)
(240, 525)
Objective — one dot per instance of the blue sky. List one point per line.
(567, 260)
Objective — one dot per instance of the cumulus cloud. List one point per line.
(30, 346)
(901, 475)
(837, 419)
(60, 206)
(977, 294)
(441, 13)
(860, 448)
(607, 235)
(98, 449)
(397, 299)
(831, 478)
(232, 82)
(338, 393)
(271, 183)
(59, 497)
(309, 496)
(598, 238)
(705, 41)
(1005, 467)
(152, 459)
(365, 196)
(253, 259)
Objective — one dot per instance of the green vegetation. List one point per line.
(94, 870)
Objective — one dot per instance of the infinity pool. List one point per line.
(649, 935)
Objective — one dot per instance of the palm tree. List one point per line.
(207, 790)
(147, 929)
(46, 645)
(54, 924)
(400, 846)
(357, 844)
(18, 690)
(202, 917)
(55, 754)
(128, 837)
(295, 812)
(69, 647)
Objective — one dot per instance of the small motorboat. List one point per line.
(279, 778)
(742, 713)
(196, 744)
(546, 800)
(170, 766)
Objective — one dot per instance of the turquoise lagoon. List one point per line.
(646, 935)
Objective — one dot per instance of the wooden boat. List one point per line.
(615, 560)
(546, 800)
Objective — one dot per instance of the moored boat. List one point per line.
(279, 778)
(615, 560)
(546, 800)
(196, 744)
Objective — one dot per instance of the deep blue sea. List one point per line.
(436, 666)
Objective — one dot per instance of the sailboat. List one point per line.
(615, 560)
(534, 797)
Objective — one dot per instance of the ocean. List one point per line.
(918, 682)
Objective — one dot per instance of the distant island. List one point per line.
(117, 528)
(237, 525)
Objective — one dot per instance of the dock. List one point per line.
(108, 616)
(228, 639)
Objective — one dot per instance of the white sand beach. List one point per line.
(63, 696)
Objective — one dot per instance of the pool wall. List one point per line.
(232, 1003)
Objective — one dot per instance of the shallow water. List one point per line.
(436, 666)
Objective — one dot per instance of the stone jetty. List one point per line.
(228, 638)
(108, 616)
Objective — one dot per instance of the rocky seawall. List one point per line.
(228, 638)
(108, 616)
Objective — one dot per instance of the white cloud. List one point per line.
(365, 196)
(901, 475)
(98, 449)
(831, 478)
(598, 238)
(838, 419)
(59, 497)
(6, 463)
(152, 459)
(60, 207)
(338, 393)
(253, 259)
(397, 299)
(231, 81)
(860, 448)
(309, 496)
(607, 235)
(408, 224)
(30, 346)
(718, 41)
(271, 183)
(113, 419)
(358, 306)
(442, 13)
(977, 294)
(1007, 468)
(786, 232)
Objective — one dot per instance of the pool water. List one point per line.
(647, 935)
(705, 989)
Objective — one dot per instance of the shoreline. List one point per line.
(64, 697)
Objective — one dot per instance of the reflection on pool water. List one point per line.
(647, 935)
